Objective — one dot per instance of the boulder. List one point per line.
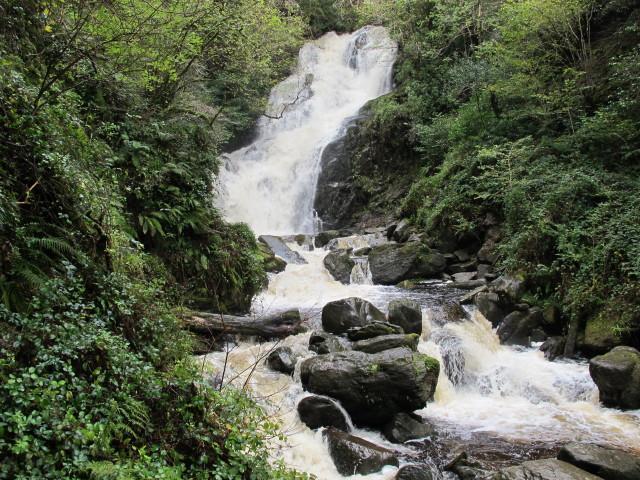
(325, 237)
(607, 463)
(548, 469)
(462, 255)
(414, 472)
(281, 249)
(599, 336)
(372, 388)
(617, 375)
(468, 266)
(508, 288)
(465, 468)
(282, 360)
(362, 252)
(404, 427)
(453, 311)
(488, 304)
(393, 262)
(323, 342)
(316, 412)
(374, 329)
(387, 342)
(484, 270)
(488, 252)
(553, 347)
(464, 276)
(341, 315)
(270, 262)
(353, 455)
(339, 264)
(518, 326)
(407, 314)
(402, 231)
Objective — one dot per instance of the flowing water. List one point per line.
(501, 404)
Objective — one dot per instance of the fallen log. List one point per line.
(213, 325)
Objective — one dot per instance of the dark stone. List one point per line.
(517, 327)
(508, 288)
(281, 249)
(353, 455)
(282, 360)
(323, 238)
(339, 264)
(374, 329)
(373, 387)
(323, 342)
(553, 347)
(453, 311)
(471, 296)
(404, 427)
(617, 375)
(341, 315)
(599, 336)
(387, 342)
(470, 266)
(393, 262)
(548, 469)
(407, 314)
(362, 252)
(488, 253)
(462, 255)
(489, 305)
(402, 231)
(484, 270)
(270, 262)
(607, 463)
(465, 468)
(414, 472)
(316, 412)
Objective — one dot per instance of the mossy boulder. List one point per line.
(599, 336)
(392, 263)
(341, 315)
(387, 342)
(617, 375)
(354, 455)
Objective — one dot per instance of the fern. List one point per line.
(52, 244)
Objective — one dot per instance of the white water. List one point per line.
(270, 184)
(486, 390)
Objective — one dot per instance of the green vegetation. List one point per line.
(112, 118)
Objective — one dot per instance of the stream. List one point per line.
(502, 405)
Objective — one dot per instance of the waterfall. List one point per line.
(270, 184)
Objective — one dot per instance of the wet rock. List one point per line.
(339, 264)
(323, 342)
(270, 262)
(392, 263)
(353, 455)
(462, 255)
(404, 427)
(464, 467)
(488, 304)
(464, 276)
(281, 249)
(488, 253)
(617, 375)
(508, 288)
(323, 238)
(402, 231)
(553, 348)
(282, 360)
(387, 342)
(484, 270)
(414, 472)
(470, 266)
(341, 315)
(373, 387)
(471, 296)
(599, 337)
(552, 320)
(374, 329)
(453, 311)
(607, 463)
(517, 327)
(468, 285)
(548, 469)
(362, 252)
(407, 314)
(316, 412)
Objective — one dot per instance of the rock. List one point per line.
(341, 315)
(387, 342)
(617, 375)
(464, 276)
(392, 263)
(548, 469)
(362, 252)
(453, 311)
(553, 347)
(414, 472)
(468, 285)
(323, 238)
(484, 270)
(323, 342)
(407, 284)
(488, 304)
(470, 266)
(488, 253)
(282, 360)
(402, 231)
(372, 388)
(316, 412)
(599, 336)
(281, 249)
(407, 314)
(339, 264)
(374, 329)
(552, 320)
(471, 296)
(353, 455)
(517, 327)
(404, 427)
(508, 288)
(607, 463)
(270, 262)
(462, 255)
(464, 467)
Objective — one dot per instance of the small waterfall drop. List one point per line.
(271, 183)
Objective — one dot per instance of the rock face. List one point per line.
(282, 360)
(373, 387)
(549, 469)
(488, 304)
(517, 327)
(414, 472)
(386, 342)
(606, 463)
(316, 412)
(393, 262)
(339, 264)
(407, 314)
(404, 427)
(341, 315)
(352, 455)
(617, 375)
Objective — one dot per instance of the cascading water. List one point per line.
(270, 184)
(501, 404)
